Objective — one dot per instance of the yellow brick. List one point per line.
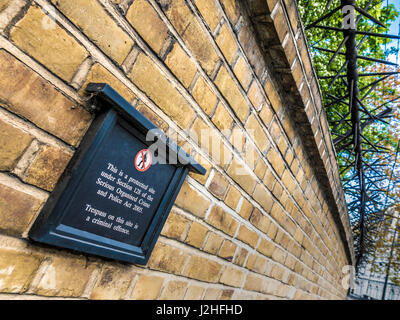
(246, 209)
(255, 95)
(47, 167)
(273, 95)
(277, 191)
(259, 264)
(18, 270)
(210, 12)
(288, 181)
(231, 9)
(33, 98)
(254, 283)
(213, 243)
(237, 138)
(92, 19)
(149, 79)
(232, 277)
(260, 169)
(226, 42)
(282, 144)
(269, 180)
(272, 231)
(190, 30)
(257, 132)
(196, 235)
(191, 200)
(278, 214)
(17, 210)
(266, 114)
(113, 283)
(251, 261)
(148, 24)
(204, 96)
(274, 130)
(279, 255)
(276, 161)
(212, 294)
(222, 119)
(242, 176)
(222, 220)
(206, 164)
(243, 73)
(194, 293)
(232, 198)
(247, 236)
(266, 247)
(167, 258)
(203, 269)
(152, 116)
(13, 143)
(210, 141)
(99, 74)
(174, 290)
(232, 94)
(218, 185)
(263, 197)
(66, 277)
(260, 221)
(228, 250)
(49, 46)
(250, 156)
(241, 256)
(181, 65)
(227, 294)
(176, 226)
(147, 287)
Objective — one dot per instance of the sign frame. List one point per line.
(112, 109)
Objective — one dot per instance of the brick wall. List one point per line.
(267, 221)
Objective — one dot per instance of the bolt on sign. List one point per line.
(117, 191)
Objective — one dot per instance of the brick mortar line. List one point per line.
(41, 70)
(198, 109)
(305, 82)
(177, 244)
(263, 92)
(160, 12)
(263, 235)
(133, 87)
(101, 58)
(183, 246)
(203, 284)
(42, 136)
(214, 35)
(156, 60)
(326, 139)
(309, 87)
(213, 86)
(14, 182)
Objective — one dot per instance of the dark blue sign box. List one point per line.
(112, 201)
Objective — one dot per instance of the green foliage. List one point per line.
(371, 47)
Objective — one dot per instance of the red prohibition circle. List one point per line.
(140, 163)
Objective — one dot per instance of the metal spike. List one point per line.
(367, 15)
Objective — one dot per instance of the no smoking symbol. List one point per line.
(143, 160)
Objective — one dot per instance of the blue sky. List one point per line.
(394, 28)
